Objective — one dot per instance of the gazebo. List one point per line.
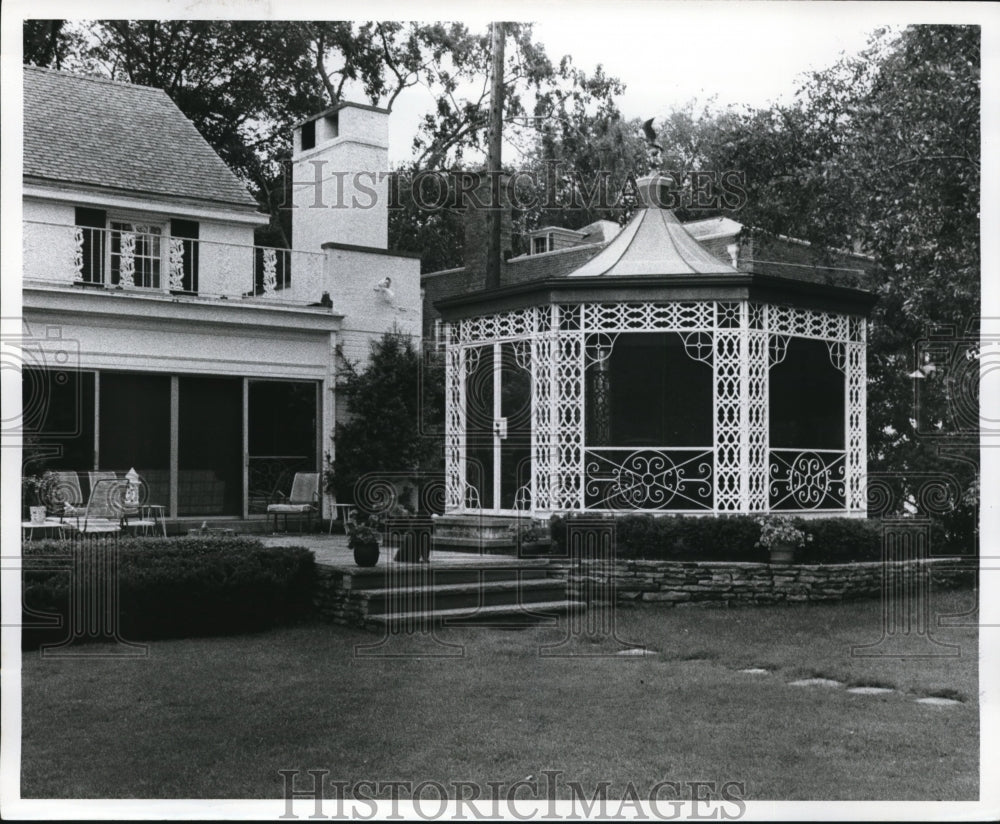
(656, 378)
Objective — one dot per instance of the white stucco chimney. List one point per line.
(340, 162)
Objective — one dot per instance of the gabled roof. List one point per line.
(653, 243)
(122, 137)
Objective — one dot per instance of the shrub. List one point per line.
(178, 588)
(731, 538)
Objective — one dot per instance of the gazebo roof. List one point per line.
(653, 243)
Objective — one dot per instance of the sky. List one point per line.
(667, 53)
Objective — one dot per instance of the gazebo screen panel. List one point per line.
(741, 333)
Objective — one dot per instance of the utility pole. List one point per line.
(497, 38)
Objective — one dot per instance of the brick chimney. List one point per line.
(478, 205)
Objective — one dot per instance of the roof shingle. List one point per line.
(122, 137)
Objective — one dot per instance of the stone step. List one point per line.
(499, 615)
(453, 596)
(423, 574)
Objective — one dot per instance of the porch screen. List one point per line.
(806, 399)
(210, 447)
(282, 421)
(135, 428)
(657, 395)
(57, 418)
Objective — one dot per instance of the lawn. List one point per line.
(218, 717)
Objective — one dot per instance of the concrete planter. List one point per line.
(782, 554)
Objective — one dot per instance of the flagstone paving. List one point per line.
(815, 682)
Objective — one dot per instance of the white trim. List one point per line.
(138, 203)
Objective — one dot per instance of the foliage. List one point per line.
(384, 430)
(37, 490)
(180, 587)
(880, 154)
(734, 537)
(780, 529)
(245, 83)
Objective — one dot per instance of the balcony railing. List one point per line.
(152, 262)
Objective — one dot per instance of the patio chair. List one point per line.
(303, 500)
(105, 511)
(67, 497)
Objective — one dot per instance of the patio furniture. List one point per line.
(105, 508)
(339, 512)
(67, 497)
(303, 500)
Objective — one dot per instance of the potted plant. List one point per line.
(781, 537)
(36, 493)
(364, 541)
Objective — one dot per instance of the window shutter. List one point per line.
(188, 230)
(94, 223)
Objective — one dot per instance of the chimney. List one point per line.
(340, 163)
(478, 206)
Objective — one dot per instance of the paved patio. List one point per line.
(332, 550)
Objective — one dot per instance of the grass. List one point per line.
(218, 717)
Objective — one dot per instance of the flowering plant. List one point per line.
(780, 529)
(37, 489)
(370, 529)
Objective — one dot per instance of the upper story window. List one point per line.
(542, 243)
(126, 251)
(136, 253)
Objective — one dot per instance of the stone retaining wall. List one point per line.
(335, 601)
(707, 583)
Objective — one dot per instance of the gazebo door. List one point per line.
(498, 427)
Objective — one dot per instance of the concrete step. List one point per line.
(454, 596)
(499, 615)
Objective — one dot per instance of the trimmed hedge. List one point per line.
(176, 588)
(732, 538)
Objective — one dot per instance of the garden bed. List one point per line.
(734, 538)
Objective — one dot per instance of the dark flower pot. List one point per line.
(366, 555)
(782, 554)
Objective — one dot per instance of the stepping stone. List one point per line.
(870, 690)
(936, 701)
(754, 671)
(815, 682)
(636, 651)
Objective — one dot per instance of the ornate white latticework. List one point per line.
(564, 345)
(78, 251)
(270, 278)
(126, 271)
(454, 440)
(728, 419)
(175, 272)
(754, 421)
(857, 439)
(569, 367)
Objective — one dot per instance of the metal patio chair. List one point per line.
(303, 500)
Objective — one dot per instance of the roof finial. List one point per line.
(655, 150)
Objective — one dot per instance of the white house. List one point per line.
(160, 337)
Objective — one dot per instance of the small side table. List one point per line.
(341, 513)
(28, 527)
(155, 512)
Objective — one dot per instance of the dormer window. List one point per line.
(541, 243)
